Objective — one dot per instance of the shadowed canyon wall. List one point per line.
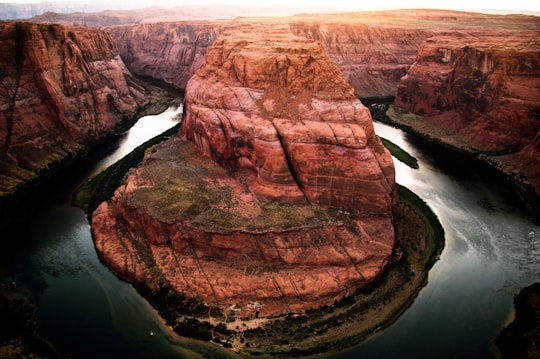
(481, 93)
(61, 88)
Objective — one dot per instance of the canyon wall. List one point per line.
(61, 88)
(168, 51)
(278, 197)
(372, 57)
(482, 93)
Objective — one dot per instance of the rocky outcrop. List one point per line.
(61, 88)
(480, 93)
(279, 201)
(278, 110)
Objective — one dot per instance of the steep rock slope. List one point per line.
(169, 51)
(61, 88)
(372, 57)
(481, 92)
(267, 209)
(279, 110)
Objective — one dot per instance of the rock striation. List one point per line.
(279, 112)
(61, 88)
(168, 51)
(482, 93)
(275, 200)
(371, 56)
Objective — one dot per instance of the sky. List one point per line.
(507, 5)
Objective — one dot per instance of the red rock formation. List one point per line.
(287, 131)
(372, 57)
(183, 223)
(278, 111)
(171, 52)
(483, 92)
(481, 89)
(60, 89)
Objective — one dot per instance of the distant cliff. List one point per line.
(61, 88)
(171, 52)
(481, 93)
(372, 58)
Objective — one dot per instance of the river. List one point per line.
(492, 251)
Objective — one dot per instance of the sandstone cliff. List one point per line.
(61, 88)
(169, 51)
(372, 57)
(482, 93)
(278, 110)
(289, 206)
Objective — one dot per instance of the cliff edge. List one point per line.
(61, 88)
(480, 93)
(276, 200)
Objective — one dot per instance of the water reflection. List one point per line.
(492, 252)
(145, 129)
(489, 256)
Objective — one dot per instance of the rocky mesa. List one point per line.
(275, 200)
(61, 88)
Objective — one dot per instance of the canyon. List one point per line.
(470, 88)
(277, 175)
(480, 94)
(61, 89)
(372, 55)
(289, 207)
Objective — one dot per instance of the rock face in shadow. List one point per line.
(482, 93)
(61, 88)
(168, 51)
(277, 199)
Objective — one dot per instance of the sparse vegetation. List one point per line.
(185, 194)
(102, 186)
(400, 154)
(419, 241)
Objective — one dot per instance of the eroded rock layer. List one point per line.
(372, 57)
(280, 199)
(60, 88)
(276, 110)
(481, 93)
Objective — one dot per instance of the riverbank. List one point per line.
(501, 164)
(521, 338)
(17, 302)
(19, 203)
(419, 241)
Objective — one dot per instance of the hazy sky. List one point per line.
(527, 5)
